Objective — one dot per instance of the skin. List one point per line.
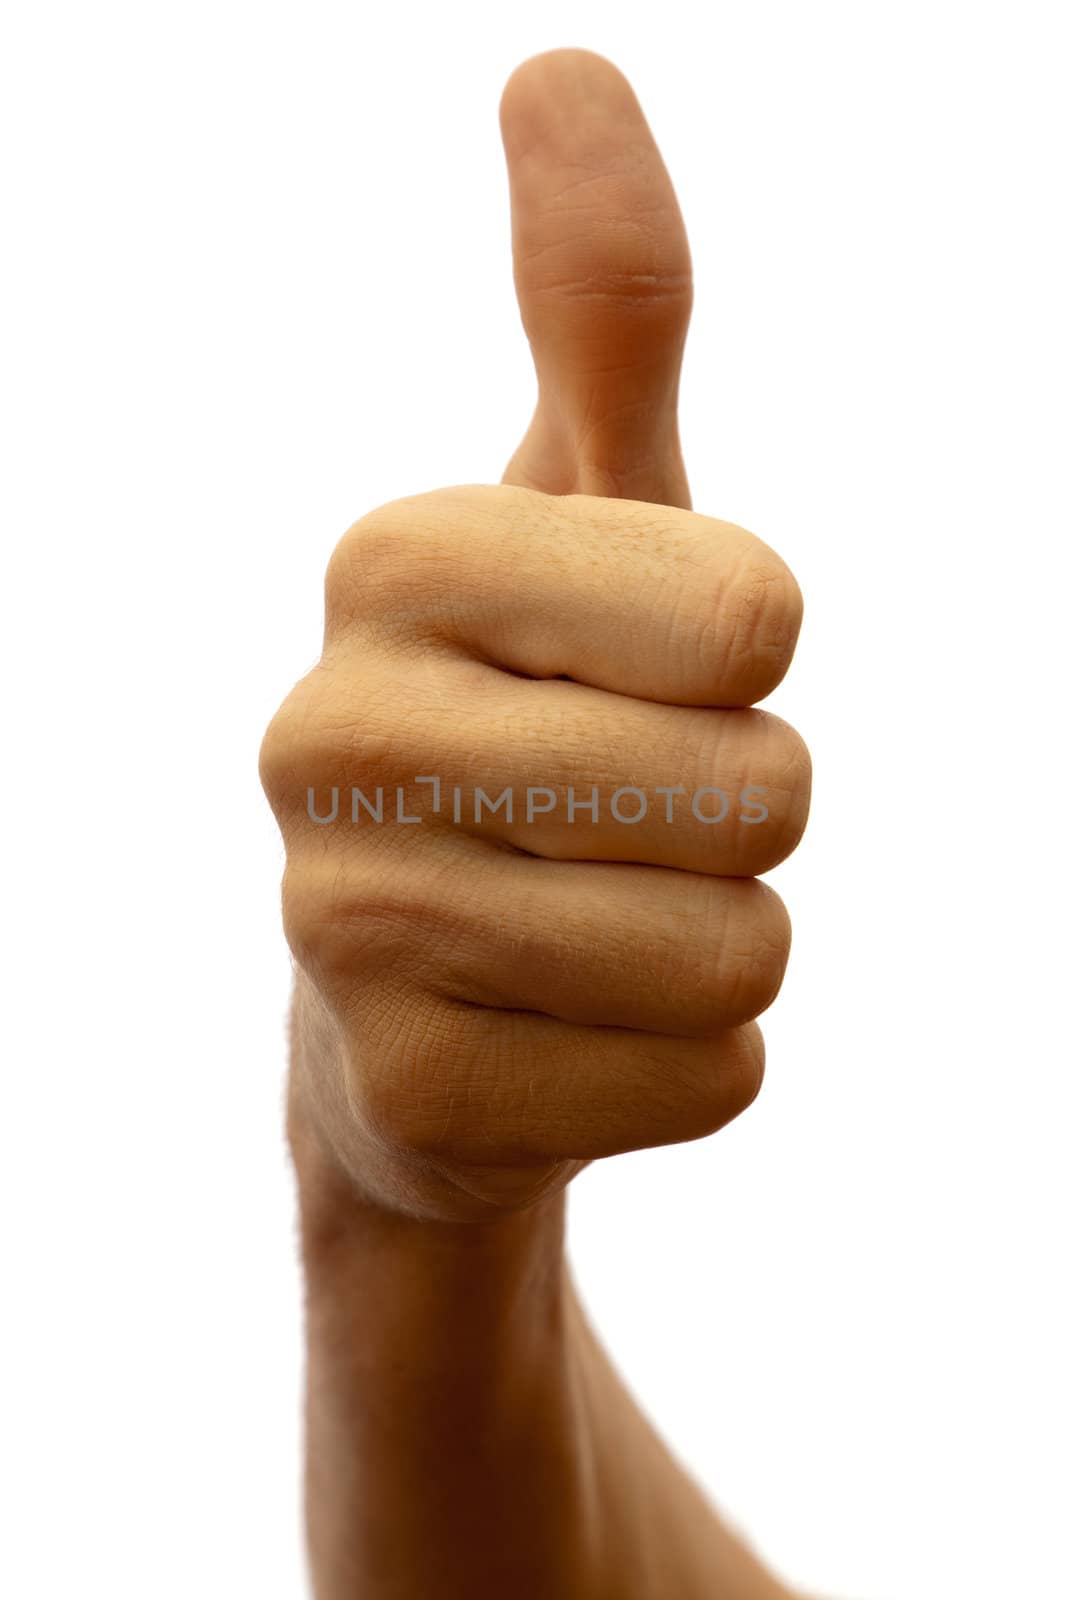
(481, 1009)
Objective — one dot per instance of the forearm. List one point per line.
(466, 1434)
(445, 1449)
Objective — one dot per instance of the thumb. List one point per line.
(603, 279)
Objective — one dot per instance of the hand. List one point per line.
(487, 1001)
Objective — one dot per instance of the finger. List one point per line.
(553, 769)
(659, 604)
(603, 278)
(595, 943)
(724, 793)
(474, 1084)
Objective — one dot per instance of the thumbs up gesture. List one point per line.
(525, 796)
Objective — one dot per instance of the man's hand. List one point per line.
(513, 991)
(527, 977)
(495, 983)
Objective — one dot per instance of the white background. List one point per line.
(257, 281)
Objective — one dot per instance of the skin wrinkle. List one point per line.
(695, 753)
(419, 586)
(620, 290)
(452, 926)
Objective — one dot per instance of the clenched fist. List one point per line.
(525, 795)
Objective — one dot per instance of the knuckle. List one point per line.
(388, 566)
(370, 553)
(798, 785)
(341, 927)
(336, 731)
(308, 919)
(792, 786)
(275, 754)
(698, 1091)
(753, 953)
(765, 608)
(283, 748)
(748, 1061)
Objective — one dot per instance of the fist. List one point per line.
(524, 794)
(525, 801)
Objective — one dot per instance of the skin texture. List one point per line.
(483, 1007)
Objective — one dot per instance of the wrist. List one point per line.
(506, 1268)
(460, 1409)
(443, 1390)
